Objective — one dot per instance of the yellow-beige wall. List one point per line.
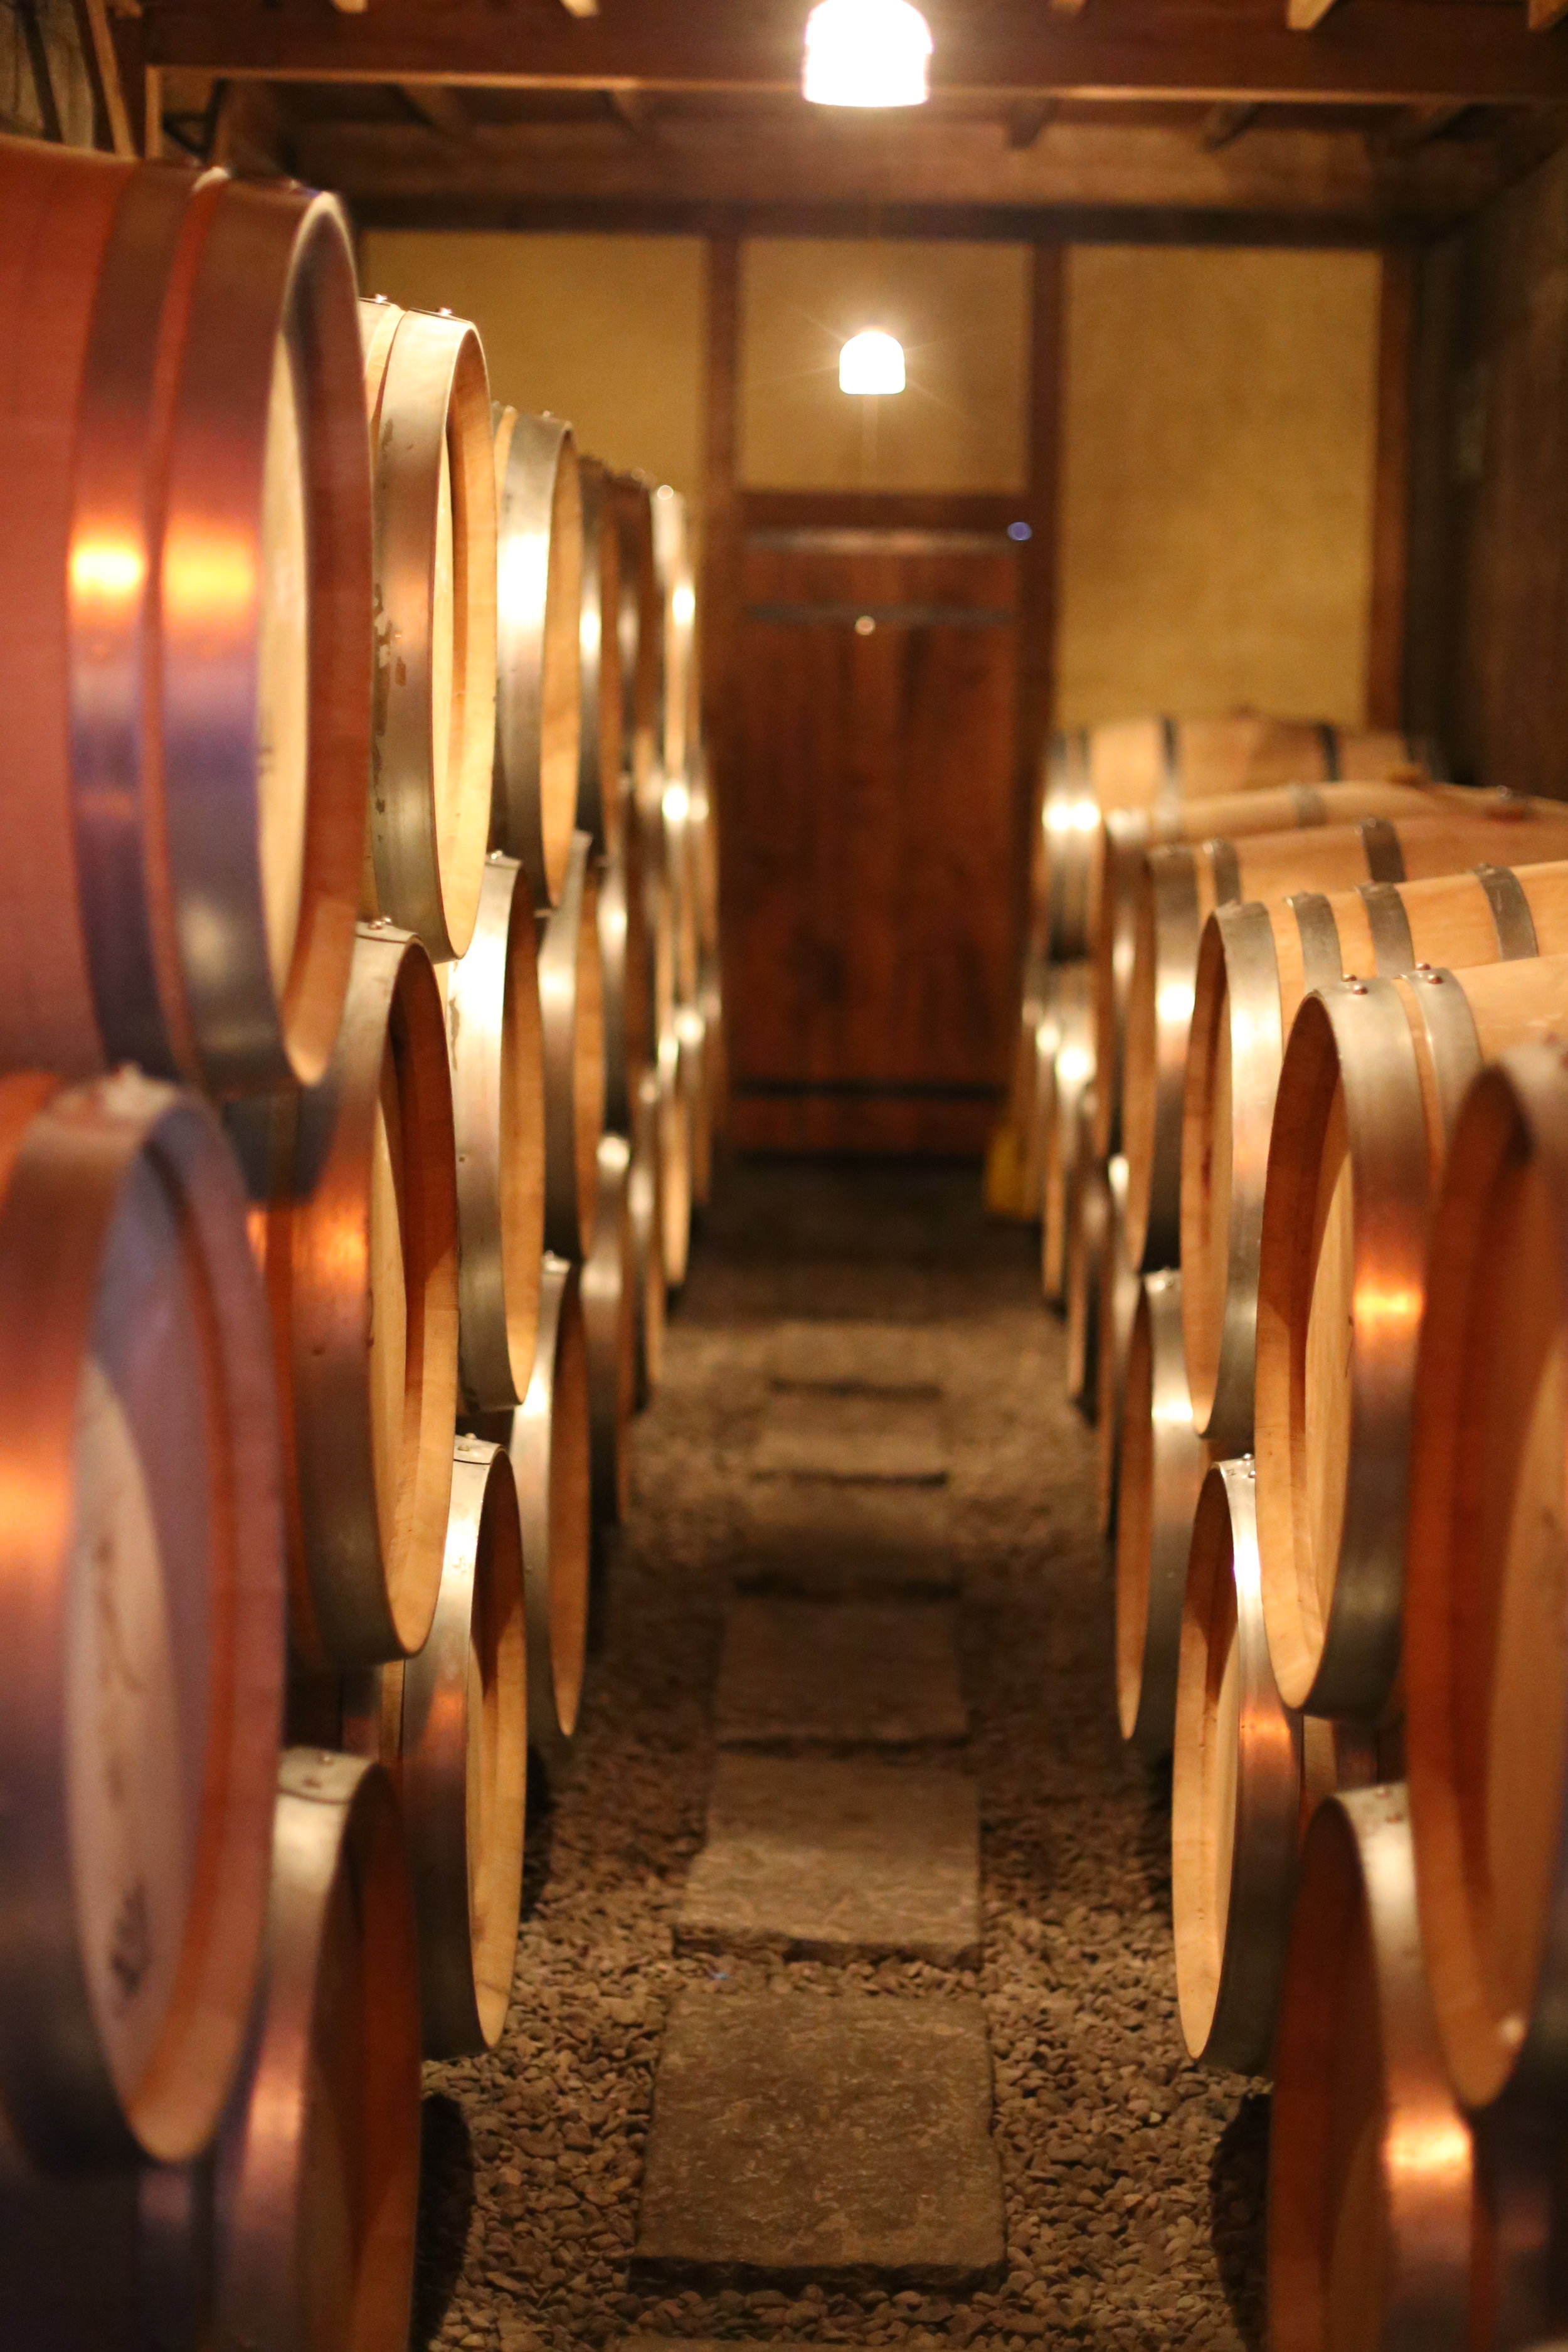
(1216, 517)
(1218, 420)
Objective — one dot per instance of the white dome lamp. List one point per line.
(871, 362)
(867, 53)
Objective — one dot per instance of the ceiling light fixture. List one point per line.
(871, 362)
(867, 53)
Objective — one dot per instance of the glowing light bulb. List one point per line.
(871, 362)
(867, 53)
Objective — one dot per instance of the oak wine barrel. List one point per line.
(1255, 962)
(626, 961)
(603, 748)
(495, 1043)
(317, 2162)
(692, 1031)
(433, 733)
(451, 1728)
(1372, 2178)
(355, 1225)
(1145, 763)
(1181, 886)
(1373, 1078)
(538, 661)
(609, 1322)
(572, 1009)
(140, 1621)
(1093, 1213)
(640, 624)
(1231, 816)
(1115, 1305)
(679, 719)
(1063, 1113)
(645, 1208)
(1161, 1470)
(185, 585)
(1248, 1772)
(675, 1152)
(1486, 1689)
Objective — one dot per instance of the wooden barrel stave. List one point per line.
(1093, 1208)
(1062, 1115)
(185, 866)
(640, 628)
(539, 687)
(1373, 1078)
(679, 719)
(1114, 1306)
(433, 729)
(602, 739)
(1162, 1465)
(572, 1010)
(646, 1209)
(677, 1149)
(609, 1319)
(140, 1418)
(1255, 965)
(1181, 887)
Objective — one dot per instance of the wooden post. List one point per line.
(719, 607)
(1385, 683)
(1038, 600)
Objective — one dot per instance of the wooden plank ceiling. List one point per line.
(1352, 116)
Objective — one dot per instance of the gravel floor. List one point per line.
(1133, 2182)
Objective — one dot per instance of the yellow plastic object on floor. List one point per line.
(1005, 1187)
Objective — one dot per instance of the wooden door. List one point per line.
(870, 836)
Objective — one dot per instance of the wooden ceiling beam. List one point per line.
(1373, 50)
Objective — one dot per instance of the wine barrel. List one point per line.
(692, 1031)
(640, 622)
(1062, 1115)
(1115, 1305)
(676, 1145)
(1255, 964)
(140, 1621)
(495, 1044)
(645, 1208)
(571, 1009)
(184, 660)
(1139, 763)
(1231, 816)
(1096, 1184)
(451, 1727)
(682, 851)
(318, 2159)
(602, 746)
(539, 659)
(433, 732)
(609, 1322)
(1372, 2180)
(548, 1440)
(1161, 1470)
(1181, 886)
(1246, 1776)
(1485, 1687)
(1372, 1080)
(356, 1228)
(679, 717)
(625, 963)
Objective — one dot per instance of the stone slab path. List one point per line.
(824, 1858)
(856, 1674)
(839, 1430)
(822, 2141)
(833, 1540)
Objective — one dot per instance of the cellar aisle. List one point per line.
(1133, 2182)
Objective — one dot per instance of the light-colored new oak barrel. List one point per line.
(1115, 1305)
(609, 1323)
(680, 719)
(317, 2164)
(1161, 1473)
(1062, 1112)
(184, 660)
(433, 736)
(1230, 816)
(451, 1727)
(1372, 2178)
(1094, 1210)
(1373, 1078)
(1255, 964)
(645, 1207)
(603, 746)
(356, 1228)
(572, 1008)
(1486, 1689)
(539, 661)
(1248, 1772)
(140, 1621)
(1147, 764)
(495, 1043)
(1181, 887)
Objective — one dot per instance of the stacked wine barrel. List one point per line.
(360, 1059)
(1295, 1058)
